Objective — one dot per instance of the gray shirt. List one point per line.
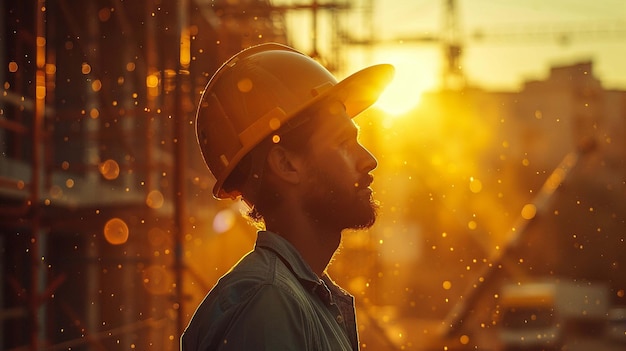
(272, 300)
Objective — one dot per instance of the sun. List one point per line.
(414, 75)
(401, 96)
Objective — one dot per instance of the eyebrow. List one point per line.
(343, 129)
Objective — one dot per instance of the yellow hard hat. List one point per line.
(259, 89)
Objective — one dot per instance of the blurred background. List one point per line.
(502, 176)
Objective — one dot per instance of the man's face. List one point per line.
(337, 191)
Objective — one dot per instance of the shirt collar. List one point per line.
(324, 287)
(287, 254)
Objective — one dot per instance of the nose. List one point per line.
(367, 161)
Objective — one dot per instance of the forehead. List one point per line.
(332, 119)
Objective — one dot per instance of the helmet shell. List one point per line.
(259, 89)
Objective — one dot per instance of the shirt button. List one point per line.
(339, 319)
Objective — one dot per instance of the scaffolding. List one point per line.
(97, 156)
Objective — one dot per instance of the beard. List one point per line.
(338, 205)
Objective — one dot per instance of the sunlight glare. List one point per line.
(410, 81)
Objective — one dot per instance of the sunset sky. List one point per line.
(510, 52)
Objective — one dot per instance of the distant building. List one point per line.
(560, 141)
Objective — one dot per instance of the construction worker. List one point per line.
(275, 129)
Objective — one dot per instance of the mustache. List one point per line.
(365, 181)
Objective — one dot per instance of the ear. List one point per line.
(284, 164)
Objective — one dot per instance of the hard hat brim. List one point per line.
(360, 90)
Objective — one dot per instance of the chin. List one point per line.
(366, 217)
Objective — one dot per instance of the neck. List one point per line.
(316, 245)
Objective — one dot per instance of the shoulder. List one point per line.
(261, 274)
(254, 304)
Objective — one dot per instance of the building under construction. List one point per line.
(97, 158)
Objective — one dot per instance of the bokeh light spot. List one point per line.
(475, 185)
(110, 169)
(152, 81)
(85, 68)
(104, 14)
(275, 123)
(244, 85)
(157, 280)
(155, 199)
(472, 225)
(116, 231)
(224, 221)
(96, 85)
(529, 211)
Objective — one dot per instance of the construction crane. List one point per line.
(453, 39)
(315, 7)
(563, 33)
(452, 77)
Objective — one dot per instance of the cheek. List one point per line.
(337, 161)
(337, 164)
(340, 169)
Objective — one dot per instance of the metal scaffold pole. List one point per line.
(180, 123)
(35, 305)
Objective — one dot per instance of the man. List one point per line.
(275, 129)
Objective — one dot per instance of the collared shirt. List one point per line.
(272, 300)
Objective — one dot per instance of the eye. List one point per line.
(347, 139)
(347, 135)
